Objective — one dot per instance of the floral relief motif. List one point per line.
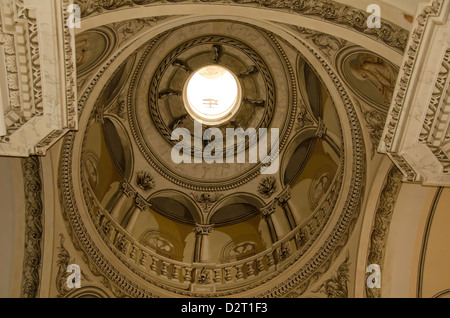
(145, 181)
(204, 277)
(33, 228)
(303, 119)
(337, 285)
(383, 216)
(267, 187)
(206, 200)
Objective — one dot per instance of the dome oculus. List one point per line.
(212, 95)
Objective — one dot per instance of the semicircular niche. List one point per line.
(370, 76)
(93, 47)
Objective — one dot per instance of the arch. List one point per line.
(77, 193)
(163, 243)
(235, 208)
(176, 198)
(88, 292)
(119, 146)
(240, 12)
(239, 197)
(302, 137)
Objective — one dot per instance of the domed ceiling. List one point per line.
(162, 205)
(224, 148)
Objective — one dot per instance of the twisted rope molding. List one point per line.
(212, 39)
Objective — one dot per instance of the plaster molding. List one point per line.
(32, 263)
(34, 38)
(416, 135)
(328, 11)
(381, 223)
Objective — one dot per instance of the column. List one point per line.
(112, 202)
(275, 229)
(139, 205)
(292, 214)
(118, 205)
(201, 252)
(127, 192)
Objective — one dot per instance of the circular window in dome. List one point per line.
(212, 95)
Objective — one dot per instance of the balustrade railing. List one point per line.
(181, 274)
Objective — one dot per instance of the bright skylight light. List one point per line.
(212, 94)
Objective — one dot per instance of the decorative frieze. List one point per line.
(128, 189)
(332, 11)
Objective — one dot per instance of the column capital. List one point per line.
(127, 189)
(285, 195)
(268, 209)
(204, 229)
(141, 203)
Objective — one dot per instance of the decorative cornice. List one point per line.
(404, 166)
(33, 227)
(409, 64)
(440, 94)
(130, 28)
(35, 113)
